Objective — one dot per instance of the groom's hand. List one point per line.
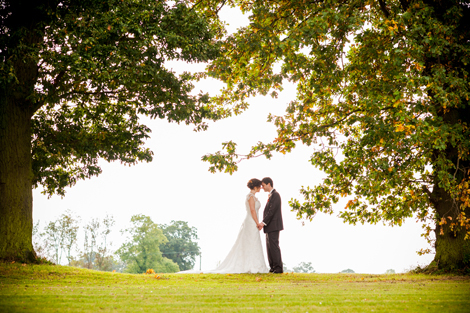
(260, 226)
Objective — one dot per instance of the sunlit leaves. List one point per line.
(226, 162)
(181, 247)
(382, 99)
(141, 251)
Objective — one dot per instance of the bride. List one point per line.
(246, 255)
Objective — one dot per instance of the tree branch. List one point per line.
(383, 6)
(429, 193)
(221, 6)
(57, 81)
(405, 4)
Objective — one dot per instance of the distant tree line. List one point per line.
(302, 267)
(307, 267)
(348, 270)
(163, 248)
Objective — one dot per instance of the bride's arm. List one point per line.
(251, 202)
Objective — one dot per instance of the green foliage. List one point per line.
(53, 236)
(69, 225)
(92, 229)
(87, 70)
(103, 260)
(96, 247)
(41, 246)
(304, 267)
(382, 100)
(348, 270)
(59, 237)
(176, 245)
(142, 249)
(180, 246)
(97, 261)
(285, 269)
(390, 271)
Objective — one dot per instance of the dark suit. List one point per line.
(272, 218)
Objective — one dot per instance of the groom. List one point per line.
(272, 224)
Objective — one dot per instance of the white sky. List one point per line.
(178, 186)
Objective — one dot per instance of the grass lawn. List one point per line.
(45, 288)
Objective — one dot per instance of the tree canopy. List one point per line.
(304, 267)
(101, 65)
(382, 100)
(180, 246)
(348, 270)
(141, 251)
(75, 78)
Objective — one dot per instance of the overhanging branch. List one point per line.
(383, 7)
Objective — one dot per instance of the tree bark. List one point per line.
(16, 222)
(25, 25)
(452, 250)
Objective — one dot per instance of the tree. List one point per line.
(390, 271)
(59, 237)
(141, 251)
(103, 260)
(382, 100)
(96, 247)
(180, 246)
(41, 246)
(92, 230)
(285, 269)
(304, 267)
(55, 238)
(96, 253)
(68, 225)
(348, 270)
(75, 76)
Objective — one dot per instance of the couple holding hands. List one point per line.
(246, 255)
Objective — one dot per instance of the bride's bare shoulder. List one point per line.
(251, 195)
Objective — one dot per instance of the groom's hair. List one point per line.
(268, 180)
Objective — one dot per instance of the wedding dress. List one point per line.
(246, 255)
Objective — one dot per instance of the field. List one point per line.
(47, 288)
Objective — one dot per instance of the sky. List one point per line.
(177, 185)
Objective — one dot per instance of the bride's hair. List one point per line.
(252, 183)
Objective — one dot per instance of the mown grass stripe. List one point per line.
(45, 288)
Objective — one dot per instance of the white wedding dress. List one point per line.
(246, 255)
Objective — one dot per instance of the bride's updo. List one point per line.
(252, 183)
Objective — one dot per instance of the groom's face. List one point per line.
(266, 187)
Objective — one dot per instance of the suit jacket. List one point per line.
(272, 215)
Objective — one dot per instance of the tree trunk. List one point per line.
(16, 222)
(25, 25)
(452, 250)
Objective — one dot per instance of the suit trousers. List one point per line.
(274, 252)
